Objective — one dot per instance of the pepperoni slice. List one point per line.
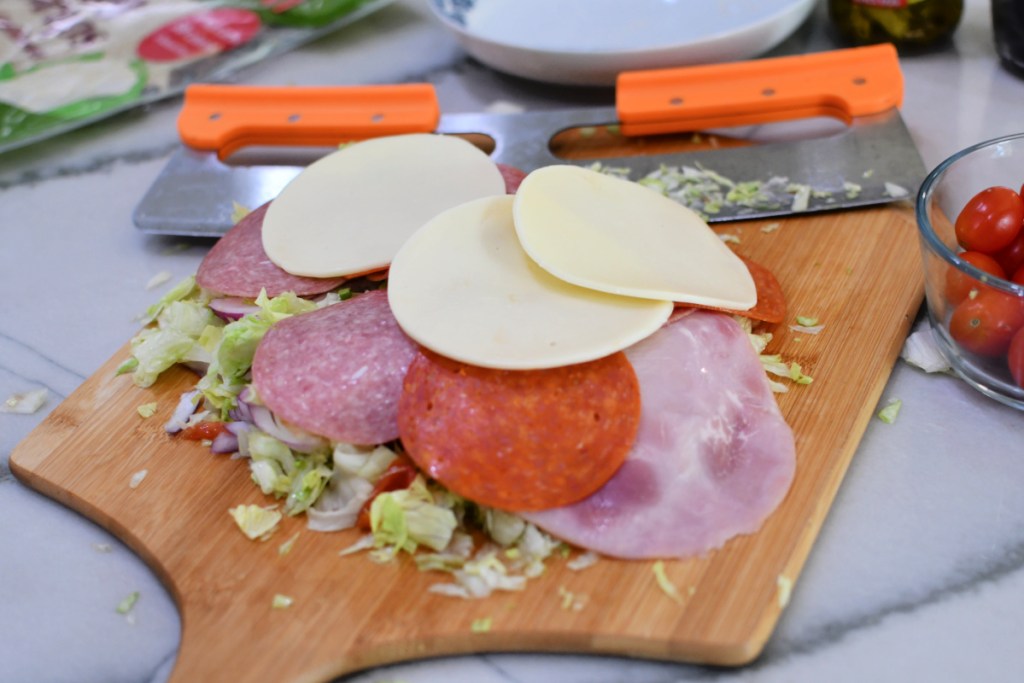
(519, 439)
(771, 303)
(337, 372)
(238, 266)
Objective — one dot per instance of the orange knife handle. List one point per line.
(225, 118)
(842, 84)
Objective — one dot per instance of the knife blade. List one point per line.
(870, 160)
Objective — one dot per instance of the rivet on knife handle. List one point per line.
(842, 84)
(226, 118)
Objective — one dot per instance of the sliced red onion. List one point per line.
(296, 439)
(225, 442)
(187, 405)
(232, 307)
(197, 366)
(243, 409)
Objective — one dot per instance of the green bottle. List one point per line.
(906, 23)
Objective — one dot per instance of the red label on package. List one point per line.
(202, 33)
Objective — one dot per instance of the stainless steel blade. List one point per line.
(872, 161)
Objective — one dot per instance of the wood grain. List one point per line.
(858, 272)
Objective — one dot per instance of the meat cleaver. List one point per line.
(869, 158)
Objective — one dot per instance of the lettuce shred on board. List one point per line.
(664, 583)
(281, 601)
(255, 522)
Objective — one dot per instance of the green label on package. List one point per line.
(66, 63)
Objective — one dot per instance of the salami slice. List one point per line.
(712, 459)
(519, 439)
(512, 176)
(337, 371)
(238, 266)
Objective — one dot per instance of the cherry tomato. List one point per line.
(1011, 257)
(1018, 276)
(990, 220)
(984, 324)
(398, 475)
(1015, 357)
(959, 284)
(203, 430)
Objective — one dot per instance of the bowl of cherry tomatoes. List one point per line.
(970, 215)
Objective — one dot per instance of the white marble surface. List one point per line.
(918, 573)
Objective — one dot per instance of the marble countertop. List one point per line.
(918, 573)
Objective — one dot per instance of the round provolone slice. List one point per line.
(349, 212)
(616, 236)
(462, 286)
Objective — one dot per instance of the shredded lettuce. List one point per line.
(891, 410)
(355, 471)
(25, 403)
(299, 478)
(287, 546)
(181, 319)
(410, 517)
(281, 601)
(481, 625)
(503, 527)
(184, 289)
(128, 603)
(254, 521)
(147, 410)
(664, 583)
(155, 350)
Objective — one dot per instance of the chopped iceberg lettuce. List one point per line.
(185, 289)
(410, 517)
(299, 478)
(350, 486)
(254, 521)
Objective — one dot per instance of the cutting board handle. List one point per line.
(226, 118)
(842, 84)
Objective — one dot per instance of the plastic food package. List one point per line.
(66, 63)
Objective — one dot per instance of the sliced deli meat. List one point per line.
(519, 439)
(463, 287)
(771, 302)
(513, 177)
(712, 459)
(349, 212)
(613, 235)
(237, 265)
(336, 372)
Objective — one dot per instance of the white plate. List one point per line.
(588, 42)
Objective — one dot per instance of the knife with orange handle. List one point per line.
(870, 159)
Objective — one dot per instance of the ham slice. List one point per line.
(712, 459)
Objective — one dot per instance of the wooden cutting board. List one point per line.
(859, 272)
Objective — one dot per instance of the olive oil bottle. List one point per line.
(906, 23)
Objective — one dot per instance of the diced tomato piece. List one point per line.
(201, 431)
(399, 475)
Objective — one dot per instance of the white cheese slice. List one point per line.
(616, 236)
(463, 287)
(349, 212)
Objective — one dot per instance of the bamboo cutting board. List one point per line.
(858, 272)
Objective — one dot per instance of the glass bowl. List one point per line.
(971, 339)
